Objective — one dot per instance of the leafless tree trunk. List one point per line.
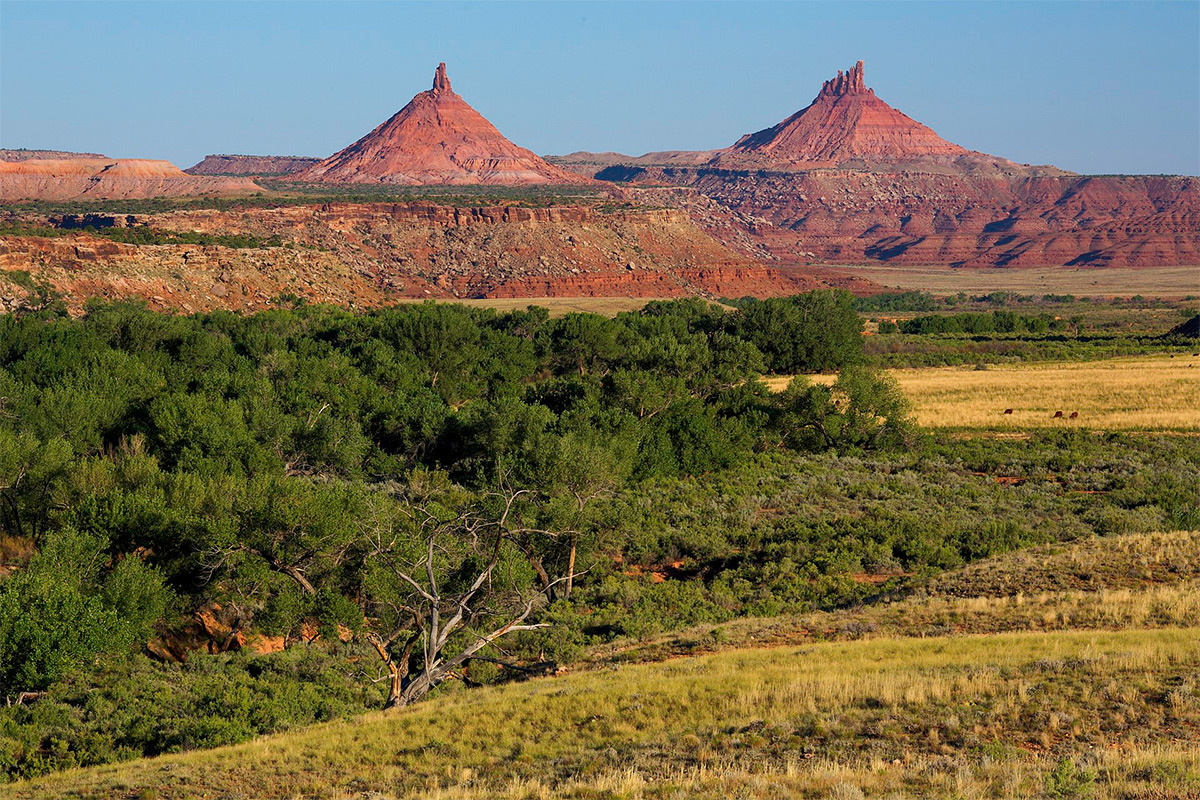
(436, 615)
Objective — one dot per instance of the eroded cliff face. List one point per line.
(363, 255)
(845, 122)
(979, 219)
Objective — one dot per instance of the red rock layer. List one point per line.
(250, 165)
(436, 139)
(849, 178)
(106, 179)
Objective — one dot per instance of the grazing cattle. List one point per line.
(1074, 415)
(1057, 415)
(1008, 411)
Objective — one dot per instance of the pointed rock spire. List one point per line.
(442, 83)
(436, 139)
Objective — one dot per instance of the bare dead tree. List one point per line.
(449, 608)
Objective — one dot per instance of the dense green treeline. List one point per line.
(987, 322)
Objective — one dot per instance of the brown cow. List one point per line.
(1057, 415)
(1074, 415)
(1008, 411)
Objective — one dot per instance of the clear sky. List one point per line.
(1095, 87)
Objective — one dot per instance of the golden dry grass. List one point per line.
(1175, 281)
(898, 715)
(1135, 393)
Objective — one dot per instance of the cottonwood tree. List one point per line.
(862, 409)
(445, 579)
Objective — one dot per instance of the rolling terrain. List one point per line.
(84, 177)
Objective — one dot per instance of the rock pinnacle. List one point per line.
(442, 83)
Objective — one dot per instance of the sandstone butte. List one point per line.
(90, 177)
(436, 139)
(846, 122)
(850, 179)
(225, 164)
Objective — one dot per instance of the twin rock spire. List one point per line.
(851, 82)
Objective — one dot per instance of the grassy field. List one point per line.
(871, 703)
(1107, 282)
(1138, 393)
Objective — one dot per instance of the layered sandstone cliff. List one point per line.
(846, 122)
(964, 220)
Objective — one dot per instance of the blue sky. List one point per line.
(1095, 87)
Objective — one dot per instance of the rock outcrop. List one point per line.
(106, 179)
(261, 166)
(436, 139)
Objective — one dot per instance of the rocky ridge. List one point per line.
(20, 154)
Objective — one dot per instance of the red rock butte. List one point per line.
(845, 122)
(438, 138)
